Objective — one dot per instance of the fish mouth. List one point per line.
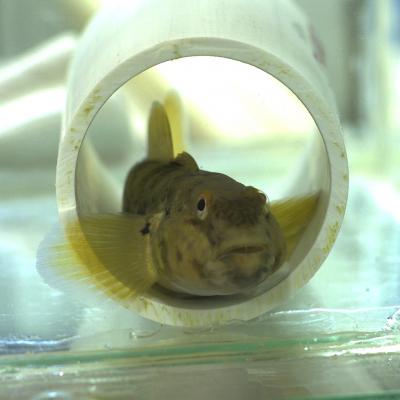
(239, 267)
(242, 250)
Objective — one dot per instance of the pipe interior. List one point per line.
(239, 121)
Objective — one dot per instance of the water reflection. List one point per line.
(356, 289)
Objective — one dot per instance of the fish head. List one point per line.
(219, 239)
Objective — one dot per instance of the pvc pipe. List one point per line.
(124, 40)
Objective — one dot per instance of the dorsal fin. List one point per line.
(187, 161)
(165, 131)
(160, 146)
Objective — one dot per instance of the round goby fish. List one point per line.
(187, 230)
(209, 234)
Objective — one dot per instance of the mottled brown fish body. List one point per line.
(149, 186)
(210, 235)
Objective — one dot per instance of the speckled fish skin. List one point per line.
(229, 247)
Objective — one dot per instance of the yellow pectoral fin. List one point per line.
(293, 215)
(106, 253)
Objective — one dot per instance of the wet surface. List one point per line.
(349, 309)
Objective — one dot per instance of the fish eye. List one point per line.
(201, 204)
(201, 208)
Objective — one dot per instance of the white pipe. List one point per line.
(129, 38)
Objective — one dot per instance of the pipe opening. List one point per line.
(236, 119)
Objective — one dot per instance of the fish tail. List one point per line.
(176, 116)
